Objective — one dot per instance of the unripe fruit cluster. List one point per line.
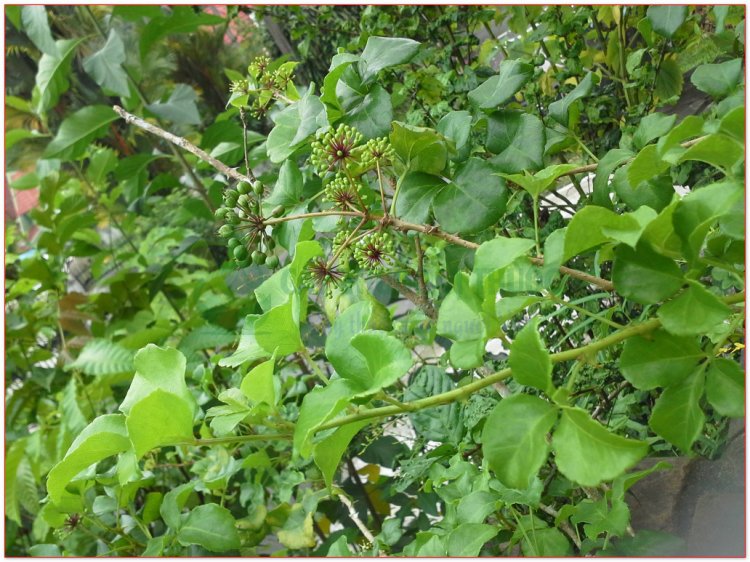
(244, 226)
(375, 252)
(333, 150)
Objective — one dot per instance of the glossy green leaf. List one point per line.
(319, 405)
(371, 113)
(666, 20)
(417, 192)
(161, 418)
(479, 194)
(651, 127)
(541, 181)
(386, 360)
(720, 151)
(158, 368)
(258, 385)
(644, 276)
(529, 359)
(104, 437)
(468, 538)
(497, 254)
(692, 312)
(420, 149)
(600, 517)
(560, 109)
(248, 349)
(52, 73)
(78, 130)
(36, 26)
(677, 415)
(182, 19)
(659, 360)
(498, 89)
(517, 139)
(105, 66)
(477, 506)
(588, 454)
(647, 164)
(297, 531)
(173, 502)
(456, 127)
(718, 80)
(669, 80)
(210, 526)
(514, 438)
(278, 329)
(289, 188)
(460, 319)
(656, 192)
(592, 226)
(327, 453)
(607, 165)
(725, 387)
(383, 52)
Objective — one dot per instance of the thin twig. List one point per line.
(410, 295)
(357, 521)
(184, 144)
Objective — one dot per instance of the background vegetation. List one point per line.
(400, 372)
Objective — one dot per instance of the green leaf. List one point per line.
(592, 226)
(496, 254)
(319, 405)
(607, 165)
(78, 130)
(417, 192)
(297, 531)
(477, 506)
(288, 190)
(514, 439)
(258, 383)
(498, 89)
(371, 113)
(420, 149)
(655, 193)
(460, 319)
(725, 387)
(468, 538)
(36, 26)
(666, 20)
(105, 66)
(692, 312)
(174, 501)
(659, 360)
(45, 551)
(718, 80)
(479, 194)
(278, 329)
(52, 74)
(669, 81)
(699, 210)
(443, 423)
(546, 542)
(384, 52)
(517, 139)
(720, 151)
(652, 126)
(248, 349)
(158, 369)
(691, 126)
(541, 181)
(101, 357)
(179, 108)
(560, 109)
(102, 438)
(456, 127)
(210, 526)
(601, 517)
(385, 357)
(677, 415)
(367, 314)
(339, 548)
(529, 360)
(647, 164)
(327, 454)
(183, 19)
(644, 276)
(161, 418)
(588, 454)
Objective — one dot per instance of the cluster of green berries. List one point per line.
(245, 228)
(334, 150)
(263, 83)
(377, 151)
(374, 252)
(343, 192)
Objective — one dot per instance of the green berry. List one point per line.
(233, 243)
(242, 200)
(258, 188)
(258, 257)
(243, 187)
(244, 263)
(220, 213)
(231, 198)
(272, 262)
(226, 231)
(240, 253)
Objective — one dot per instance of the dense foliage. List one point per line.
(439, 299)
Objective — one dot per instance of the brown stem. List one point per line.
(424, 304)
